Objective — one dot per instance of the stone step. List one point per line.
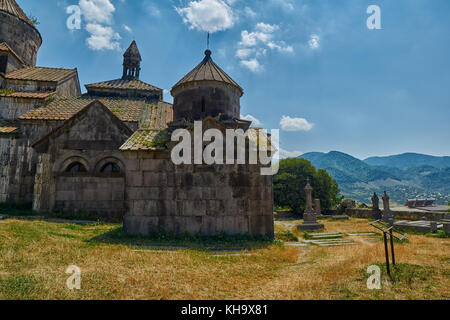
(324, 234)
(296, 244)
(328, 237)
(328, 241)
(336, 244)
(370, 234)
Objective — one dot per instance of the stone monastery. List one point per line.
(107, 153)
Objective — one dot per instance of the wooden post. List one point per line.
(392, 247)
(386, 250)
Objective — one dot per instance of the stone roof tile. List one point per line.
(207, 70)
(125, 110)
(13, 8)
(146, 140)
(8, 127)
(121, 84)
(27, 95)
(41, 74)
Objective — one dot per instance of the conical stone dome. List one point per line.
(18, 32)
(205, 91)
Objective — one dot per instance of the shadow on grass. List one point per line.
(17, 210)
(168, 241)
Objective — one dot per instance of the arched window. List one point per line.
(111, 167)
(76, 167)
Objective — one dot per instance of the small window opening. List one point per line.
(111, 168)
(76, 167)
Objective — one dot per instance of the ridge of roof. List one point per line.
(5, 47)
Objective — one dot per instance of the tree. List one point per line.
(290, 182)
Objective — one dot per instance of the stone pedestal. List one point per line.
(446, 226)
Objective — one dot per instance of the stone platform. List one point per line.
(310, 227)
(419, 226)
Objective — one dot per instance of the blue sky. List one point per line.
(311, 68)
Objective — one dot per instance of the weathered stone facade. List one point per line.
(92, 139)
(196, 199)
(107, 153)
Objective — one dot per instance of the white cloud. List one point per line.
(249, 12)
(266, 28)
(314, 42)
(98, 15)
(295, 124)
(208, 15)
(255, 122)
(255, 44)
(127, 28)
(244, 53)
(153, 10)
(102, 38)
(280, 47)
(283, 154)
(97, 11)
(252, 64)
(286, 5)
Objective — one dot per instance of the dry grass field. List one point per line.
(34, 256)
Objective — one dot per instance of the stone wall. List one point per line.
(8, 63)
(69, 87)
(101, 195)
(44, 185)
(399, 215)
(198, 101)
(23, 38)
(12, 108)
(92, 139)
(19, 160)
(207, 200)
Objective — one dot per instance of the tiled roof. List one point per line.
(207, 70)
(145, 140)
(8, 127)
(29, 95)
(125, 110)
(157, 116)
(40, 74)
(5, 48)
(13, 8)
(133, 51)
(4, 130)
(121, 84)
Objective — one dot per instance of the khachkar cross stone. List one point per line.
(309, 217)
(317, 207)
(375, 202)
(387, 213)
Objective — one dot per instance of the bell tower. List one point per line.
(131, 63)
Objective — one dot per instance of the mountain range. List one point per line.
(405, 176)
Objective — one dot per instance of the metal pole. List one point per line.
(392, 247)
(386, 250)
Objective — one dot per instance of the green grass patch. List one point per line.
(164, 239)
(286, 235)
(19, 287)
(440, 234)
(17, 210)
